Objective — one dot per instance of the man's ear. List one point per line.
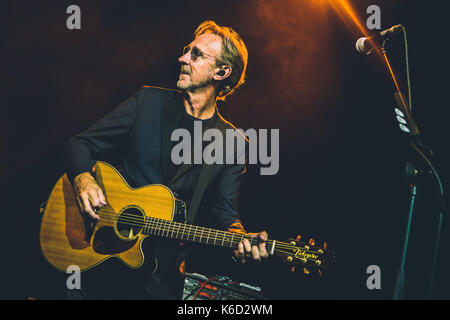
(223, 73)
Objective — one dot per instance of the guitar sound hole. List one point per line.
(130, 222)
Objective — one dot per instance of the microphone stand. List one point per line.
(400, 281)
(414, 134)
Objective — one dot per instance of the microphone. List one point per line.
(366, 45)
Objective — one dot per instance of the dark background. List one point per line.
(341, 152)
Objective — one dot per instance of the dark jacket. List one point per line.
(135, 137)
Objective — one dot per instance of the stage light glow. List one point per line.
(346, 12)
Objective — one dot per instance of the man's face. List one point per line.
(198, 62)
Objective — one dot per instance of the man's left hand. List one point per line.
(247, 252)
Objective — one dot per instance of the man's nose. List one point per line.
(185, 58)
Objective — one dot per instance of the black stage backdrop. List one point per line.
(341, 151)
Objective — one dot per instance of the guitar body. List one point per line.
(68, 238)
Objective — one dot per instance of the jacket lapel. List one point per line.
(171, 116)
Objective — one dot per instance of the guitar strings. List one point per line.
(160, 226)
(154, 222)
(170, 226)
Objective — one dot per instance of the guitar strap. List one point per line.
(199, 190)
(204, 176)
(171, 118)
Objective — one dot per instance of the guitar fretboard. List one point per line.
(188, 232)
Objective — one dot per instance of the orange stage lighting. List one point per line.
(345, 11)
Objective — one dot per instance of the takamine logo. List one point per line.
(303, 254)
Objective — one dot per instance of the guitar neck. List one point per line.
(188, 232)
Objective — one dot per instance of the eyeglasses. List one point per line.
(196, 53)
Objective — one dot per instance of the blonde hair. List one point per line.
(234, 54)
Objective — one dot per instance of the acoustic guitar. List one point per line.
(68, 237)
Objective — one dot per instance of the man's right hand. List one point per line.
(88, 194)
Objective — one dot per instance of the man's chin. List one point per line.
(182, 85)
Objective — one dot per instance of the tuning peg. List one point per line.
(305, 271)
(319, 272)
(298, 238)
(325, 245)
(312, 242)
(293, 243)
(289, 259)
(292, 268)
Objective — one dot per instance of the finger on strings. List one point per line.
(101, 197)
(255, 254)
(87, 207)
(247, 246)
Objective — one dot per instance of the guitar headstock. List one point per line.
(308, 255)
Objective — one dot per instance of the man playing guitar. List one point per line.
(137, 135)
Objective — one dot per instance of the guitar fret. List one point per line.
(156, 228)
(207, 239)
(150, 229)
(201, 236)
(231, 242)
(168, 228)
(178, 230)
(165, 225)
